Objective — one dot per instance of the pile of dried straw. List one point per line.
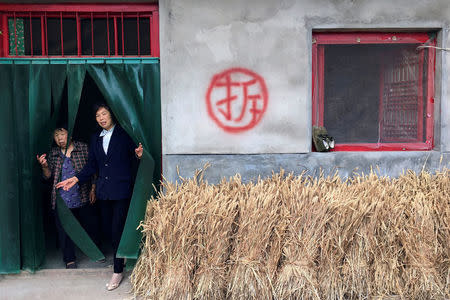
(290, 237)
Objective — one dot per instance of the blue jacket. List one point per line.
(116, 170)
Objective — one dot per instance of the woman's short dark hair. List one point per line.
(97, 106)
(61, 126)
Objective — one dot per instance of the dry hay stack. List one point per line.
(259, 239)
(287, 237)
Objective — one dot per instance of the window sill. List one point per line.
(384, 147)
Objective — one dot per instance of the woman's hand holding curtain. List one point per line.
(139, 150)
(67, 184)
(44, 165)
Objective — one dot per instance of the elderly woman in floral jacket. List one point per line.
(67, 160)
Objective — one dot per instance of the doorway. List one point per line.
(35, 91)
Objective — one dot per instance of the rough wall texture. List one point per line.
(346, 164)
(200, 39)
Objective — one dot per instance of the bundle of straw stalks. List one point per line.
(259, 239)
(298, 237)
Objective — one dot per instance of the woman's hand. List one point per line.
(92, 197)
(42, 160)
(67, 184)
(139, 150)
(44, 165)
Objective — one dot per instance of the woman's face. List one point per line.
(103, 118)
(60, 137)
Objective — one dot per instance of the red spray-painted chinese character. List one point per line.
(237, 99)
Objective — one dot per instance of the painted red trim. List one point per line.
(1, 35)
(4, 36)
(31, 36)
(62, 34)
(46, 34)
(381, 103)
(79, 52)
(370, 38)
(80, 7)
(430, 95)
(138, 36)
(321, 94)
(314, 85)
(383, 147)
(107, 29)
(318, 83)
(155, 35)
(43, 39)
(150, 33)
(15, 35)
(92, 33)
(123, 37)
(74, 56)
(83, 15)
(116, 38)
(420, 100)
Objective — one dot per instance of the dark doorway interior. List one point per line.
(85, 126)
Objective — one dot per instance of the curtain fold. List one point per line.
(122, 87)
(25, 109)
(73, 228)
(31, 229)
(9, 178)
(39, 106)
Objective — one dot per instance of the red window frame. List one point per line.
(320, 39)
(78, 11)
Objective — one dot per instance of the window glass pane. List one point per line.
(373, 93)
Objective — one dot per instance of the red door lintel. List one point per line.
(370, 38)
(79, 7)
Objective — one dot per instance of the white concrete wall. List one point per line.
(201, 38)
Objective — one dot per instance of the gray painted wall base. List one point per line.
(391, 164)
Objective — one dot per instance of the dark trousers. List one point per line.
(66, 244)
(88, 220)
(113, 215)
(91, 222)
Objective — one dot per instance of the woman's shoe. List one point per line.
(115, 281)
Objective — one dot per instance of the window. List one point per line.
(374, 91)
(79, 30)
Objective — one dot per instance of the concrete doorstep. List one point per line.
(64, 284)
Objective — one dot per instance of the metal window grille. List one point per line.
(402, 108)
(79, 30)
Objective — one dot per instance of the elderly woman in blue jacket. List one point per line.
(112, 155)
